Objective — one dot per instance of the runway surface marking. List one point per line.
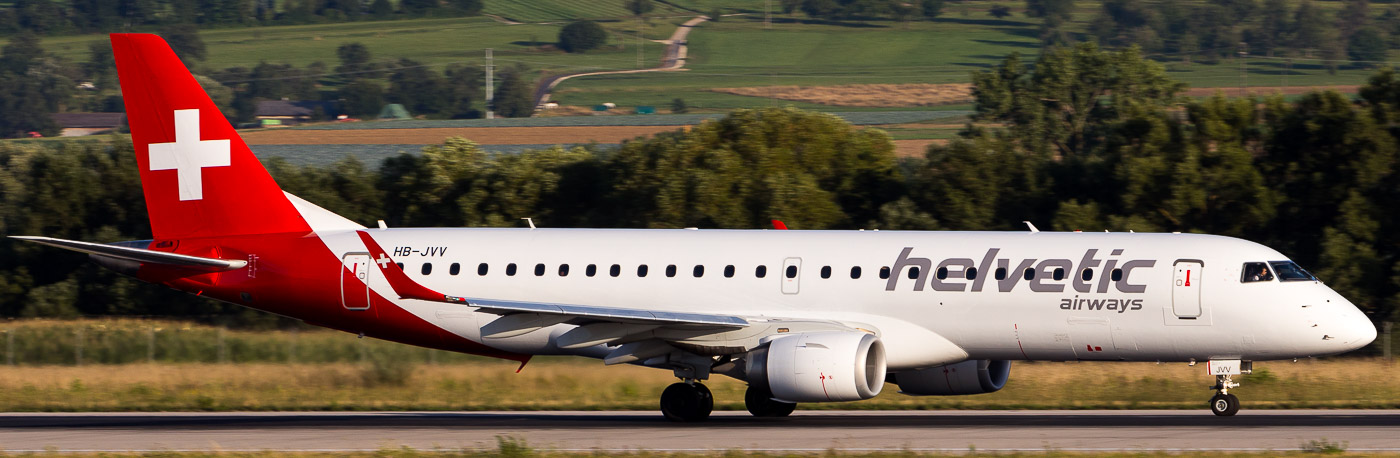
(1260, 430)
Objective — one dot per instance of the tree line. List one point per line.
(50, 17)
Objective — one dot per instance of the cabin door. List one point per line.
(354, 281)
(1186, 289)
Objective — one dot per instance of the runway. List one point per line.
(1361, 430)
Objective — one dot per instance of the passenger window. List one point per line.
(427, 268)
(885, 273)
(942, 273)
(914, 273)
(729, 271)
(1059, 274)
(1289, 271)
(970, 273)
(454, 269)
(1029, 274)
(539, 270)
(671, 270)
(826, 271)
(510, 270)
(400, 264)
(1116, 275)
(591, 270)
(1087, 274)
(760, 271)
(855, 273)
(1000, 273)
(699, 271)
(615, 270)
(563, 270)
(481, 269)
(1256, 272)
(791, 272)
(642, 270)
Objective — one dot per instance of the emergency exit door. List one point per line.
(791, 275)
(1186, 288)
(354, 281)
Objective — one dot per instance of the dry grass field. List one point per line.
(579, 384)
(864, 95)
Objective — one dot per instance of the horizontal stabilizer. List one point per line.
(139, 255)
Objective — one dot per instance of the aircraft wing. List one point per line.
(406, 288)
(139, 254)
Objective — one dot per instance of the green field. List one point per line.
(737, 51)
(434, 41)
(547, 10)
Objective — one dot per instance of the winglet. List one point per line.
(405, 287)
(778, 224)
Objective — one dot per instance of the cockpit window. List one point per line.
(1255, 272)
(1289, 271)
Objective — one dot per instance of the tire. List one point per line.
(687, 403)
(760, 403)
(1224, 405)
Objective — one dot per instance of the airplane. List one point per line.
(800, 315)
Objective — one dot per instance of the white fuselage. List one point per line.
(1149, 314)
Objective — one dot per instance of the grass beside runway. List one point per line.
(579, 384)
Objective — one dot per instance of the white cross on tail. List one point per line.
(189, 155)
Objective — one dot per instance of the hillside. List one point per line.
(739, 51)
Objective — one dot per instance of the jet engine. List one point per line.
(975, 376)
(819, 367)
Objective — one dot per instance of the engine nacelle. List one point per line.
(819, 366)
(968, 377)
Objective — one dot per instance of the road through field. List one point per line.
(1251, 430)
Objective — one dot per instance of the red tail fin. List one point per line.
(199, 178)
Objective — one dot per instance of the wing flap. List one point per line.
(621, 315)
(139, 255)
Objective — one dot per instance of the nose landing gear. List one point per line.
(1224, 404)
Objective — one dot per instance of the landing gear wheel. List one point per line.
(1224, 405)
(760, 403)
(687, 402)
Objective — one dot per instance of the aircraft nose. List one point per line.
(1356, 330)
(1359, 332)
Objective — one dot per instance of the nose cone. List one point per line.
(1358, 331)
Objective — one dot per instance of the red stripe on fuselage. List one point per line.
(299, 277)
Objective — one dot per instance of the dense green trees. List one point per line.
(1216, 30)
(514, 98)
(581, 36)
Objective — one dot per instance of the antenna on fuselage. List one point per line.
(1031, 226)
(531, 221)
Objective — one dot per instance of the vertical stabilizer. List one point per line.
(199, 178)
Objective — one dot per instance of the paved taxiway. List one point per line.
(805, 430)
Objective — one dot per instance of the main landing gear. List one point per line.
(690, 401)
(687, 402)
(1224, 404)
(760, 403)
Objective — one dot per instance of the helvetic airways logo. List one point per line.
(189, 155)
